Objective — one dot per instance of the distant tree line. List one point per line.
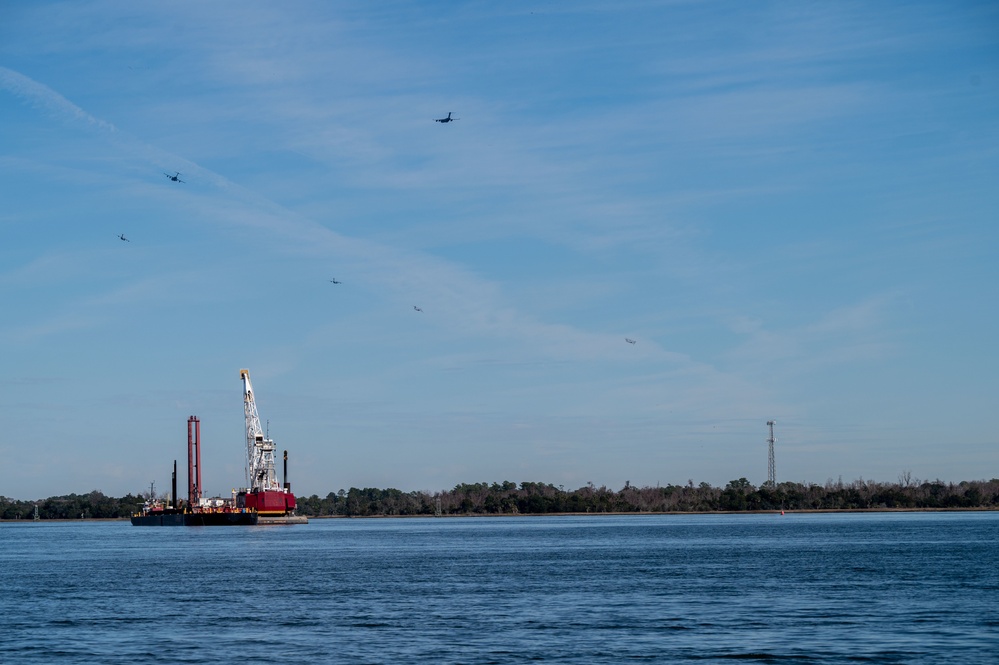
(508, 498)
(738, 495)
(94, 505)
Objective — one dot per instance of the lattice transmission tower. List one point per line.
(771, 468)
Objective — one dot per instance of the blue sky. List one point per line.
(790, 207)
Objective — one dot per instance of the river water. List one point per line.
(797, 588)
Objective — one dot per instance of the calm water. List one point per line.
(874, 588)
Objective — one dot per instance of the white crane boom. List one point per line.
(260, 473)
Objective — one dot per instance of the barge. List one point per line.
(164, 516)
(265, 501)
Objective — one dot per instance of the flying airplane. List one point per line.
(417, 308)
(334, 281)
(121, 236)
(629, 341)
(175, 177)
(447, 119)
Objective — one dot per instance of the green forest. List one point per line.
(508, 498)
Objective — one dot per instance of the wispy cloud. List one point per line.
(756, 194)
(460, 299)
(854, 333)
(43, 97)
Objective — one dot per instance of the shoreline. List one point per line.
(775, 511)
(603, 514)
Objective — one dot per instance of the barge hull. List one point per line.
(282, 519)
(163, 519)
(196, 519)
(220, 519)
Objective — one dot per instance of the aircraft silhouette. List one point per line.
(629, 341)
(417, 308)
(335, 282)
(175, 177)
(447, 119)
(121, 236)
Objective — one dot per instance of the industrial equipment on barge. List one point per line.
(263, 501)
(263, 494)
(197, 511)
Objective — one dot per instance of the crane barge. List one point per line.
(262, 501)
(272, 501)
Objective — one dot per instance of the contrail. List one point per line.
(467, 298)
(40, 95)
